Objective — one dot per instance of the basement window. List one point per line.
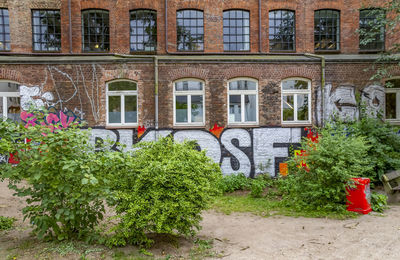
(296, 101)
(46, 29)
(10, 101)
(189, 102)
(243, 101)
(392, 100)
(122, 105)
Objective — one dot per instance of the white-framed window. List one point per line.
(392, 100)
(243, 101)
(10, 100)
(122, 103)
(189, 102)
(296, 101)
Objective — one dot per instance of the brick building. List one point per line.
(243, 78)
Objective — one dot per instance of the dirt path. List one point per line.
(245, 236)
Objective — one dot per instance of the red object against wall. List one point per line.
(359, 197)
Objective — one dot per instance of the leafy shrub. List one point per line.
(6, 223)
(9, 132)
(378, 202)
(64, 185)
(234, 182)
(329, 164)
(161, 188)
(384, 150)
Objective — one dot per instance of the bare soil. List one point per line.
(235, 236)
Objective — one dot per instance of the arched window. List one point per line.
(143, 25)
(95, 30)
(236, 30)
(122, 105)
(189, 102)
(370, 24)
(282, 30)
(392, 100)
(10, 101)
(326, 30)
(296, 101)
(190, 30)
(243, 101)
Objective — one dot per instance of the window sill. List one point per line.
(370, 51)
(327, 51)
(121, 126)
(296, 124)
(242, 125)
(189, 126)
(393, 121)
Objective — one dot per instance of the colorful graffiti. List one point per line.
(54, 118)
(250, 151)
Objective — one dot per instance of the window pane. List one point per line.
(14, 108)
(294, 84)
(197, 109)
(390, 105)
(4, 30)
(189, 86)
(122, 86)
(235, 108)
(181, 109)
(143, 33)
(96, 36)
(130, 109)
(46, 24)
(236, 30)
(288, 108)
(114, 109)
(369, 24)
(190, 30)
(281, 30)
(302, 107)
(1, 106)
(9, 87)
(242, 85)
(250, 108)
(326, 30)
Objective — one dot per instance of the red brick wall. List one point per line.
(21, 35)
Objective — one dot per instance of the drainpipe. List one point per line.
(70, 26)
(166, 26)
(259, 27)
(156, 93)
(322, 58)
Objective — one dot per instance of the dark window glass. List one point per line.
(369, 24)
(326, 30)
(282, 30)
(143, 30)
(190, 30)
(95, 30)
(236, 30)
(4, 30)
(46, 30)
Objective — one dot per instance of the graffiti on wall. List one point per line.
(249, 151)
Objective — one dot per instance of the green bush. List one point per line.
(64, 184)
(384, 150)
(234, 182)
(331, 162)
(378, 202)
(161, 188)
(6, 223)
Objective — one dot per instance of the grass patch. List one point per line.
(6, 223)
(267, 206)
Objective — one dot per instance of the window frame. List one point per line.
(5, 95)
(43, 34)
(189, 93)
(103, 35)
(132, 35)
(338, 31)
(183, 19)
(236, 27)
(397, 91)
(122, 94)
(4, 33)
(380, 35)
(242, 94)
(294, 30)
(296, 92)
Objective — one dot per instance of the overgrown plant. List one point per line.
(63, 180)
(6, 223)
(161, 188)
(378, 202)
(317, 180)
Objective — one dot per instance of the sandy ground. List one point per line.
(245, 236)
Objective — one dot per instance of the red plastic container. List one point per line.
(359, 197)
